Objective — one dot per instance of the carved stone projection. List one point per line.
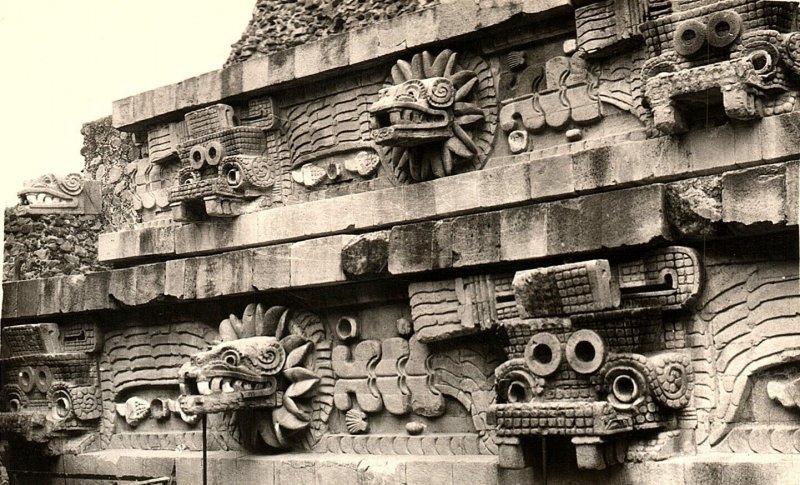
(588, 353)
(786, 393)
(558, 95)
(606, 27)
(152, 182)
(51, 392)
(50, 194)
(436, 117)
(224, 164)
(740, 54)
(277, 361)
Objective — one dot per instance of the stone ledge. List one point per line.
(630, 217)
(234, 468)
(511, 181)
(410, 31)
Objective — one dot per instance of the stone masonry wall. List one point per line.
(108, 153)
(280, 24)
(50, 245)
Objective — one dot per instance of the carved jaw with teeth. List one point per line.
(51, 192)
(407, 123)
(233, 373)
(45, 199)
(272, 359)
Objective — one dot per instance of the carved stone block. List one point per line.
(50, 194)
(51, 388)
(566, 289)
(727, 53)
(603, 367)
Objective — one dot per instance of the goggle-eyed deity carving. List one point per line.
(224, 165)
(742, 51)
(588, 354)
(50, 392)
(50, 194)
(437, 117)
(275, 360)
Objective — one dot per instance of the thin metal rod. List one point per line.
(544, 461)
(205, 454)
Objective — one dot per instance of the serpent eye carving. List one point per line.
(231, 358)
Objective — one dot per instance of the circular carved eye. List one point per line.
(519, 387)
(625, 388)
(233, 176)
(14, 405)
(585, 351)
(723, 28)
(543, 354)
(231, 358)
(689, 37)
(625, 385)
(197, 157)
(762, 61)
(25, 379)
(215, 152)
(441, 93)
(62, 404)
(43, 378)
(189, 178)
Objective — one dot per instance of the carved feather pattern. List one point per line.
(751, 319)
(467, 375)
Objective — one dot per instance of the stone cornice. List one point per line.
(582, 168)
(759, 200)
(350, 49)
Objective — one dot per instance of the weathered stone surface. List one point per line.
(420, 473)
(585, 292)
(755, 196)
(695, 207)
(272, 267)
(366, 255)
(138, 285)
(475, 239)
(39, 246)
(410, 248)
(627, 217)
(318, 260)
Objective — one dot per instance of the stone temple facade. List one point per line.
(485, 242)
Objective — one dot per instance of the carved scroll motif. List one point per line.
(391, 375)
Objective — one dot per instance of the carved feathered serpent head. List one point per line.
(428, 114)
(265, 360)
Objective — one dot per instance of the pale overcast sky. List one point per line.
(64, 62)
